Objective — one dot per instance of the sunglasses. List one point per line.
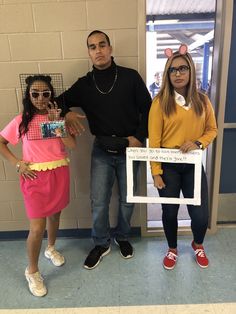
(45, 94)
(181, 69)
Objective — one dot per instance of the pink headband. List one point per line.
(183, 49)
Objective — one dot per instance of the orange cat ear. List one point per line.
(183, 49)
(168, 52)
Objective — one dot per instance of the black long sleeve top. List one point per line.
(121, 112)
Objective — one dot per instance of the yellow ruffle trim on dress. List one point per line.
(49, 165)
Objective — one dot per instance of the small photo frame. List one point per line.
(53, 129)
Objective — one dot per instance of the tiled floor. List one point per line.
(136, 286)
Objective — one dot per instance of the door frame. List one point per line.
(222, 41)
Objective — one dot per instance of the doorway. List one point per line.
(168, 24)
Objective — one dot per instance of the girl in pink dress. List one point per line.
(43, 170)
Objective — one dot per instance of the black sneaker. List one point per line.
(126, 249)
(95, 256)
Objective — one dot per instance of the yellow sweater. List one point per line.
(184, 125)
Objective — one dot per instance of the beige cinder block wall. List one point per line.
(49, 36)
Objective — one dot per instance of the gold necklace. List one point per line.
(111, 88)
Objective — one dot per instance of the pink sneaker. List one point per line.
(201, 258)
(170, 259)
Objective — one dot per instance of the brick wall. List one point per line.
(50, 36)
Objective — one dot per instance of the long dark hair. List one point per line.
(29, 109)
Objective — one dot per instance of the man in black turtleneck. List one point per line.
(116, 103)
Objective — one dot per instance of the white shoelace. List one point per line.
(172, 256)
(200, 252)
(56, 255)
(36, 279)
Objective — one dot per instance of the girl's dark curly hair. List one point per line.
(28, 108)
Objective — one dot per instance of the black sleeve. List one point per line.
(70, 98)
(143, 101)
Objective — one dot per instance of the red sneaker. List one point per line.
(170, 259)
(201, 258)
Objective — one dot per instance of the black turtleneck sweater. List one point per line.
(122, 112)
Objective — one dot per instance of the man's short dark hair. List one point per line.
(99, 32)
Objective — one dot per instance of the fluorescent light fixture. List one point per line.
(160, 22)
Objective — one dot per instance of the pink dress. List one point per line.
(49, 192)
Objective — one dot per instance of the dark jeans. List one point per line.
(105, 167)
(179, 177)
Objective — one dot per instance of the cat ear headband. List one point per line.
(183, 49)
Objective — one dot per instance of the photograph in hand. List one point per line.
(53, 129)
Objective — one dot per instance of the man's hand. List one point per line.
(188, 146)
(73, 123)
(134, 142)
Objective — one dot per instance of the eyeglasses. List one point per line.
(181, 69)
(45, 94)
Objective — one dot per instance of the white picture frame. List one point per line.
(164, 155)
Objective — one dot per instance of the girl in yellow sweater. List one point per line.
(181, 117)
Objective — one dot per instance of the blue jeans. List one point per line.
(181, 177)
(105, 167)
